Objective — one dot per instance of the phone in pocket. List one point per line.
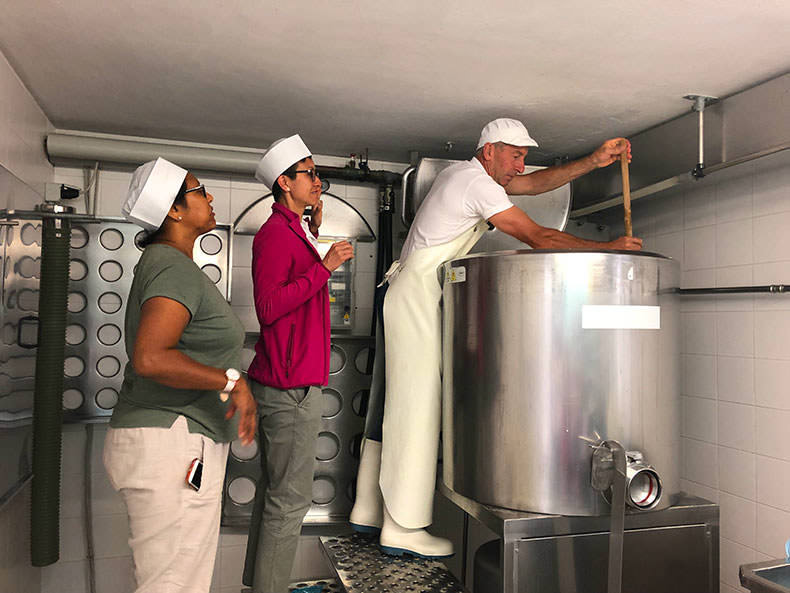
(195, 473)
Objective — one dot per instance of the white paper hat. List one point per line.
(153, 189)
(281, 154)
(509, 131)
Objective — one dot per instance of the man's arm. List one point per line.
(553, 177)
(516, 223)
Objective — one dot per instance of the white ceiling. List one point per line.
(392, 76)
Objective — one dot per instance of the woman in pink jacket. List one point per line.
(291, 358)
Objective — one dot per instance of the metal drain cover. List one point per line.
(363, 567)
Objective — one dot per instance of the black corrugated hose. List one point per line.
(47, 406)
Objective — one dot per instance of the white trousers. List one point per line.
(174, 530)
(413, 401)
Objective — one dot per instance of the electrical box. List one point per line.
(341, 288)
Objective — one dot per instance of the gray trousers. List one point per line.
(288, 426)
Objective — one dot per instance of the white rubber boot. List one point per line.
(396, 541)
(366, 516)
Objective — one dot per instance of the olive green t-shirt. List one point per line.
(213, 336)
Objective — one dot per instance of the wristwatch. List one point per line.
(232, 375)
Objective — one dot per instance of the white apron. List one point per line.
(413, 403)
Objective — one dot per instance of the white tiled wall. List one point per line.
(22, 129)
(733, 228)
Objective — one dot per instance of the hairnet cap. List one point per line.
(153, 189)
(280, 155)
(509, 131)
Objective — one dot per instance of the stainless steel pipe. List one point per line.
(546, 352)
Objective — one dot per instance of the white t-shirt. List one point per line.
(462, 195)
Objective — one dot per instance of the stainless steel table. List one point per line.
(675, 549)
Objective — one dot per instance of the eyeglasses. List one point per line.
(200, 187)
(311, 172)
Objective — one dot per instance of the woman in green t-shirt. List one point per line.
(167, 444)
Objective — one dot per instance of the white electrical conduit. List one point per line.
(701, 160)
(91, 183)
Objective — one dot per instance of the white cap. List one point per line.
(153, 189)
(280, 155)
(509, 131)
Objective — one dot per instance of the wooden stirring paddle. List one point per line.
(626, 194)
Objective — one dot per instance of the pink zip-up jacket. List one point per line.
(292, 303)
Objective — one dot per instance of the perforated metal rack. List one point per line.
(361, 567)
(103, 257)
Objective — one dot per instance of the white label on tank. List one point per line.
(620, 317)
(456, 274)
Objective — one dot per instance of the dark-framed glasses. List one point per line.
(311, 172)
(200, 187)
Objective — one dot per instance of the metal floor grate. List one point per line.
(363, 567)
(329, 586)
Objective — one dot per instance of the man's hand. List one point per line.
(626, 243)
(243, 402)
(317, 217)
(610, 151)
(338, 254)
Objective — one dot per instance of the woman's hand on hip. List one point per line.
(241, 400)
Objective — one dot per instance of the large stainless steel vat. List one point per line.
(546, 351)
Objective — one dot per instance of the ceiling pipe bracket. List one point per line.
(700, 102)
